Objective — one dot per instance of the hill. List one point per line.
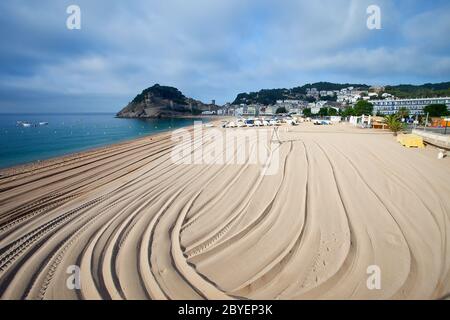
(270, 96)
(428, 90)
(162, 101)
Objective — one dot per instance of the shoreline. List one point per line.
(71, 155)
(38, 164)
(216, 117)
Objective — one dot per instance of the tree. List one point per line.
(307, 112)
(427, 90)
(394, 124)
(436, 110)
(323, 112)
(363, 107)
(196, 112)
(332, 112)
(403, 112)
(164, 92)
(348, 112)
(281, 110)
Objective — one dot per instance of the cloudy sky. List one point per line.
(210, 49)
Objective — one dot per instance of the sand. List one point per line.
(139, 226)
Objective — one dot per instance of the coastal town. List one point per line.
(316, 102)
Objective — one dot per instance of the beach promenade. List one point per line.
(126, 222)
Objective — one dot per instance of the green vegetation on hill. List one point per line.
(270, 96)
(163, 92)
(265, 96)
(428, 90)
(329, 86)
(162, 101)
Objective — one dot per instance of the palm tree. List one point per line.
(403, 112)
(394, 124)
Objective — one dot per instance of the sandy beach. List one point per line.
(139, 226)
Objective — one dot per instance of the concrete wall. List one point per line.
(434, 138)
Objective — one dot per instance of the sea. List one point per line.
(69, 133)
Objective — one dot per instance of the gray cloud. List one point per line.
(215, 49)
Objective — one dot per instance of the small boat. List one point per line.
(24, 124)
(43, 123)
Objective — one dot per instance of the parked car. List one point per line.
(240, 123)
(291, 121)
(319, 122)
(231, 124)
(258, 123)
(249, 123)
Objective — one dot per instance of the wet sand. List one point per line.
(140, 226)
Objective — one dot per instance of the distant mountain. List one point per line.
(162, 101)
(270, 96)
(428, 90)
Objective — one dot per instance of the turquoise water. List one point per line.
(68, 133)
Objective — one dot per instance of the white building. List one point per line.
(239, 112)
(415, 106)
(250, 111)
(269, 111)
(315, 110)
(320, 104)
